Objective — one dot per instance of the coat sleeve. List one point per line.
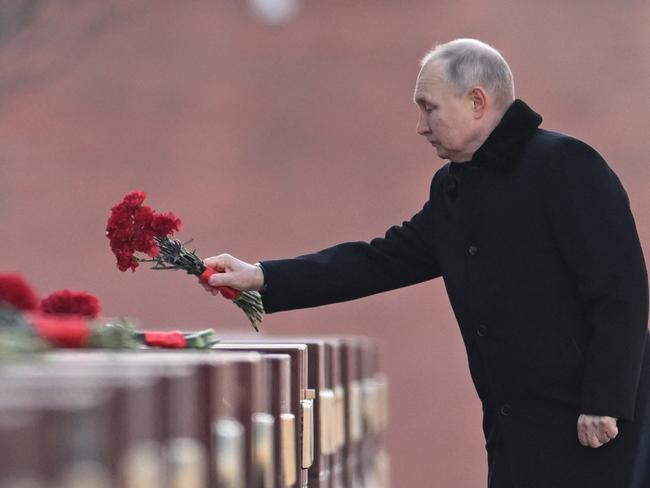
(590, 217)
(404, 256)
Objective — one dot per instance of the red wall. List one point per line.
(272, 141)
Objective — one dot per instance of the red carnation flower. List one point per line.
(15, 291)
(72, 302)
(165, 224)
(141, 233)
(132, 227)
(62, 330)
(125, 260)
(135, 198)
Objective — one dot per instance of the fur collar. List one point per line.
(503, 147)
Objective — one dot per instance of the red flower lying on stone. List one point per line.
(16, 292)
(72, 302)
(64, 319)
(176, 339)
(132, 227)
(62, 330)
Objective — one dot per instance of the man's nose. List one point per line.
(423, 127)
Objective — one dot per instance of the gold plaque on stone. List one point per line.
(142, 465)
(355, 420)
(263, 449)
(339, 407)
(229, 440)
(187, 463)
(326, 401)
(288, 454)
(307, 432)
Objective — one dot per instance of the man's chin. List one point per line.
(442, 154)
(441, 151)
(448, 155)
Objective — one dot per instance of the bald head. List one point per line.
(466, 63)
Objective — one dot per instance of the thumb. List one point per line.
(220, 279)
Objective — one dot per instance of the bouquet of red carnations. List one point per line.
(136, 228)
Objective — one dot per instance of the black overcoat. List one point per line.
(542, 263)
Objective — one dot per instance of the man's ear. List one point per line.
(479, 100)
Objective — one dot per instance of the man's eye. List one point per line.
(428, 108)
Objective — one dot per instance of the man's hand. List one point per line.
(594, 431)
(234, 273)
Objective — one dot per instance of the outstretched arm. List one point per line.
(404, 256)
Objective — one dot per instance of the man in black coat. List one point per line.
(533, 235)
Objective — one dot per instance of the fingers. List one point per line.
(233, 273)
(589, 439)
(218, 280)
(218, 262)
(612, 432)
(208, 288)
(595, 431)
(594, 441)
(582, 438)
(224, 263)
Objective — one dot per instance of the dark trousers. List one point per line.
(499, 467)
(499, 473)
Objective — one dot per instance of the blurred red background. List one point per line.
(276, 136)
